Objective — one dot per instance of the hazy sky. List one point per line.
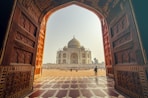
(71, 21)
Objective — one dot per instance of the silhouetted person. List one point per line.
(96, 70)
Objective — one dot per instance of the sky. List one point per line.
(71, 21)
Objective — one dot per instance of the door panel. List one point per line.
(127, 51)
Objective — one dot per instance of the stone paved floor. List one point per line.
(73, 85)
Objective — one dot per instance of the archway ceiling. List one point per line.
(103, 6)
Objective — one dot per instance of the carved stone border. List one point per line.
(143, 78)
(5, 70)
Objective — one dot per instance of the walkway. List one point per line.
(74, 84)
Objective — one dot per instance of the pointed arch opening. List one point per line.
(106, 44)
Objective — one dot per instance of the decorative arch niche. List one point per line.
(74, 58)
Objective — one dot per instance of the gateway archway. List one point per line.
(107, 49)
(23, 37)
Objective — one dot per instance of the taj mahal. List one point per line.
(73, 53)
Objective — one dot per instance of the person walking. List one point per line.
(96, 70)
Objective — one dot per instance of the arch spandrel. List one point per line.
(39, 8)
(43, 6)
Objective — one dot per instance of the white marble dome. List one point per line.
(74, 43)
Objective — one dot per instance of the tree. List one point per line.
(95, 61)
